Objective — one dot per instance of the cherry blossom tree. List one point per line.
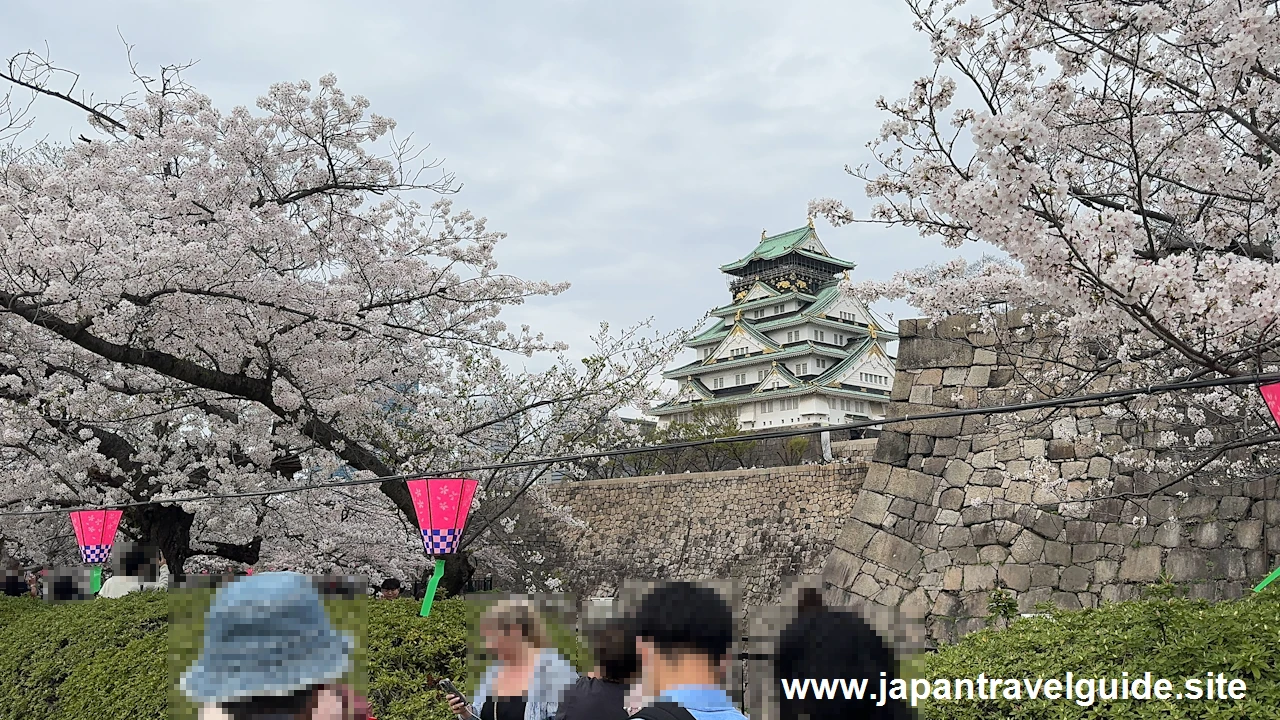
(1122, 156)
(196, 301)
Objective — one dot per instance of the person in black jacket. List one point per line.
(823, 642)
(601, 695)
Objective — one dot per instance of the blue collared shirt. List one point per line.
(704, 702)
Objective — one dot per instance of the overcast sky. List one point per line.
(628, 148)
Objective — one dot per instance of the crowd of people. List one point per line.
(270, 652)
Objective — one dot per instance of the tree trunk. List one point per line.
(168, 527)
(457, 571)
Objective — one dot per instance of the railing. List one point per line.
(474, 585)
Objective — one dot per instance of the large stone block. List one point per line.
(938, 427)
(1141, 564)
(1079, 531)
(1061, 450)
(1186, 564)
(1064, 428)
(920, 445)
(1074, 579)
(1000, 377)
(1084, 553)
(952, 499)
(993, 554)
(912, 485)
(1049, 526)
(1027, 547)
(866, 586)
(1233, 508)
(892, 551)
(1227, 564)
(921, 394)
(892, 448)
(979, 376)
(1099, 468)
(1058, 553)
(1207, 535)
(1015, 577)
(953, 578)
(1044, 576)
(975, 514)
(1065, 600)
(1169, 534)
(921, 352)
(979, 577)
(854, 536)
(957, 473)
(933, 466)
(984, 460)
(1198, 506)
(1249, 534)
(954, 537)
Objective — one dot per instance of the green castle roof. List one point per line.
(788, 242)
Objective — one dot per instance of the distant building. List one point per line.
(790, 349)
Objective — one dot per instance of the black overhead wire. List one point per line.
(963, 412)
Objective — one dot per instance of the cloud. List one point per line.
(628, 148)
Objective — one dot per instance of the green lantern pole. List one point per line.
(95, 579)
(1270, 579)
(431, 588)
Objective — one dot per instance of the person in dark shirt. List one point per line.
(824, 642)
(12, 583)
(602, 694)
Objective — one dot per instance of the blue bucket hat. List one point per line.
(266, 635)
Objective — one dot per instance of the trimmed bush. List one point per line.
(110, 658)
(113, 658)
(1170, 638)
(84, 661)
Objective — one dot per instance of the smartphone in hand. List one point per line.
(449, 689)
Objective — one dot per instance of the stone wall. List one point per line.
(755, 527)
(948, 512)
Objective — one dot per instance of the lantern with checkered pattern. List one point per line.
(1270, 395)
(96, 534)
(442, 505)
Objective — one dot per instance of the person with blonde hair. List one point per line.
(528, 677)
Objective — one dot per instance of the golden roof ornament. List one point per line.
(871, 331)
(810, 222)
(738, 316)
(846, 274)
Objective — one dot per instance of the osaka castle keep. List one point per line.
(791, 349)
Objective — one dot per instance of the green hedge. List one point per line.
(115, 658)
(1170, 638)
(112, 659)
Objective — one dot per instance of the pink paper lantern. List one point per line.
(442, 505)
(1271, 393)
(96, 533)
